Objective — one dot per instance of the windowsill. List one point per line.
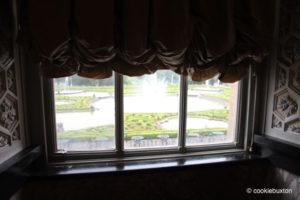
(14, 171)
(277, 145)
(20, 161)
(154, 164)
(280, 153)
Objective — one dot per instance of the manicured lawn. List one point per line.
(134, 89)
(82, 103)
(146, 125)
(108, 131)
(73, 103)
(224, 95)
(89, 133)
(127, 89)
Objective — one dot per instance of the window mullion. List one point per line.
(182, 112)
(119, 123)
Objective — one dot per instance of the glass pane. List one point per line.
(85, 113)
(211, 112)
(151, 105)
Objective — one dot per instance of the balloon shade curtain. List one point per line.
(200, 38)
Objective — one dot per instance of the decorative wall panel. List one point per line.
(281, 78)
(2, 82)
(294, 82)
(293, 126)
(11, 122)
(11, 79)
(291, 48)
(283, 115)
(285, 105)
(8, 112)
(276, 123)
(4, 140)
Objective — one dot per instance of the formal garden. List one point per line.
(82, 100)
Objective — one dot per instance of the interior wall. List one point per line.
(288, 180)
(201, 182)
(283, 118)
(222, 181)
(12, 137)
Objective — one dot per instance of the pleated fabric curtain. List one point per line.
(199, 38)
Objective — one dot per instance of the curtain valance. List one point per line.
(200, 38)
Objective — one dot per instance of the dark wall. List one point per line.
(222, 181)
(12, 134)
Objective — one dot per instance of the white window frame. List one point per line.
(243, 131)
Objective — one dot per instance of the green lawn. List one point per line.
(133, 89)
(224, 95)
(89, 133)
(82, 103)
(108, 131)
(146, 125)
(74, 103)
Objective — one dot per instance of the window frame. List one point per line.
(243, 132)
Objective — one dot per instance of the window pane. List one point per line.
(85, 113)
(211, 112)
(151, 105)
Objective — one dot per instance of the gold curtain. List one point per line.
(200, 38)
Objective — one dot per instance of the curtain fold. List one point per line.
(93, 36)
(200, 38)
(49, 26)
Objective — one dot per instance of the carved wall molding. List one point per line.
(284, 111)
(8, 84)
(293, 126)
(11, 79)
(294, 80)
(12, 139)
(276, 123)
(2, 82)
(16, 134)
(8, 112)
(285, 104)
(4, 140)
(290, 49)
(281, 78)
(6, 32)
(289, 32)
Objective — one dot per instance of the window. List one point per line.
(151, 110)
(85, 113)
(158, 113)
(211, 112)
